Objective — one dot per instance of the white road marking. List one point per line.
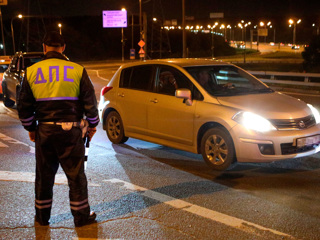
(12, 113)
(75, 238)
(8, 139)
(3, 145)
(97, 72)
(60, 179)
(234, 222)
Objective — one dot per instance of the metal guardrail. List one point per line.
(303, 79)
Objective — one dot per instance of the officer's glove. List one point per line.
(32, 136)
(91, 132)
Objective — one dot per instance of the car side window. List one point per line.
(138, 78)
(169, 79)
(166, 81)
(125, 78)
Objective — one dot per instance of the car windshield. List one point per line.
(227, 80)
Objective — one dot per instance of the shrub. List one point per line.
(311, 55)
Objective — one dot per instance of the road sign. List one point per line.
(141, 51)
(141, 43)
(114, 19)
(132, 53)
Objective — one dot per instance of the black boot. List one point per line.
(91, 219)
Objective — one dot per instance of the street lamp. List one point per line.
(184, 36)
(244, 26)
(212, 37)
(294, 22)
(12, 32)
(223, 28)
(229, 27)
(317, 28)
(159, 27)
(122, 39)
(60, 26)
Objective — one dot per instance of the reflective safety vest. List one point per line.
(55, 79)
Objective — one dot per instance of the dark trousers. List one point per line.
(56, 146)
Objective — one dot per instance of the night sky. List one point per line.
(83, 20)
(168, 9)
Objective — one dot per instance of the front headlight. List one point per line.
(315, 113)
(253, 121)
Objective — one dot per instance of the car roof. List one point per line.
(27, 54)
(182, 62)
(32, 53)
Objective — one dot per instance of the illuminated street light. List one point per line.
(12, 32)
(317, 28)
(229, 27)
(294, 22)
(60, 26)
(122, 38)
(212, 37)
(243, 27)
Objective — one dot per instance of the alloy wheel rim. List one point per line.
(216, 150)
(114, 127)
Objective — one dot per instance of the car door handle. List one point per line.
(154, 100)
(121, 94)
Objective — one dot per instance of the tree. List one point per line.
(311, 55)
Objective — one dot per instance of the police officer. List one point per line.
(55, 96)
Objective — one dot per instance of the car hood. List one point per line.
(271, 105)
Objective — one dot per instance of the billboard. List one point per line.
(217, 15)
(263, 32)
(114, 19)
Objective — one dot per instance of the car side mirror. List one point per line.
(185, 94)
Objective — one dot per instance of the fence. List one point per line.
(303, 79)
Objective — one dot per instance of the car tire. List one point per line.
(217, 149)
(6, 100)
(114, 128)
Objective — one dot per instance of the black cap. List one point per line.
(53, 39)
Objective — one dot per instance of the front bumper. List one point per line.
(249, 144)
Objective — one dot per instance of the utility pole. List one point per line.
(3, 43)
(184, 42)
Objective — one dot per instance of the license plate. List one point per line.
(306, 141)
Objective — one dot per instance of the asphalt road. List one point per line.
(141, 190)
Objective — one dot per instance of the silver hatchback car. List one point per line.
(207, 107)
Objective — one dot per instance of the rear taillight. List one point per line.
(105, 89)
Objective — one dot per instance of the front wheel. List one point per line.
(115, 130)
(217, 149)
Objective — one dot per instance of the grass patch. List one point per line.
(282, 55)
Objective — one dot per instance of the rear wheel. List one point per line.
(115, 130)
(217, 149)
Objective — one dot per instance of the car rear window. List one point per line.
(28, 61)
